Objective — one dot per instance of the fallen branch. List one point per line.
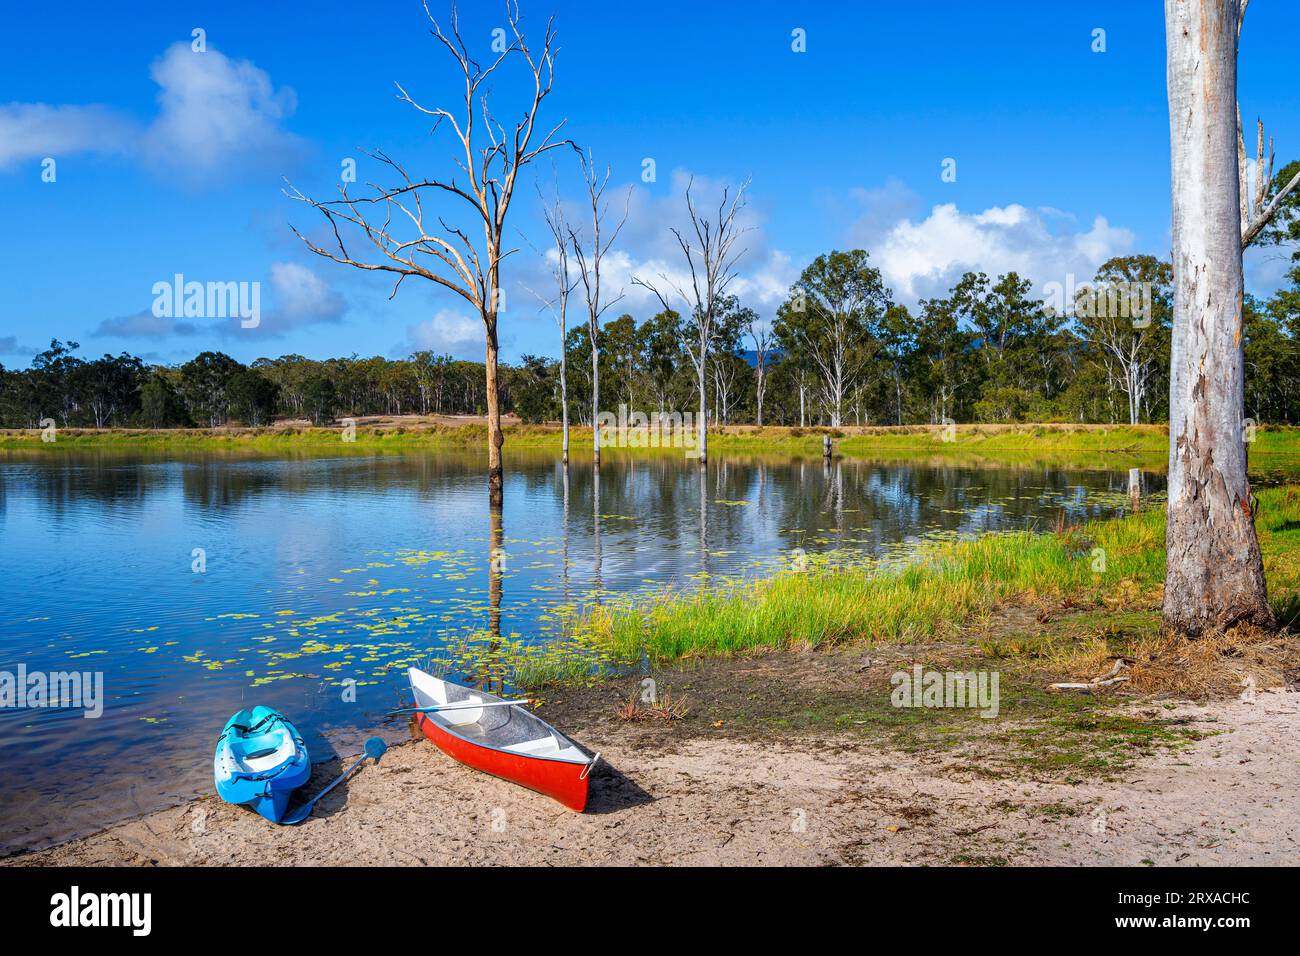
(1114, 677)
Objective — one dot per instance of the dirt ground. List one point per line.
(794, 759)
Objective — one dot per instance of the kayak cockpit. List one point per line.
(264, 751)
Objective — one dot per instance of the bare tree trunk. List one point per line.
(496, 473)
(704, 411)
(564, 398)
(711, 256)
(595, 398)
(589, 263)
(1214, 576)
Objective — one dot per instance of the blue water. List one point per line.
(324, 578)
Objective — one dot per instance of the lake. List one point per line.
(199, 584)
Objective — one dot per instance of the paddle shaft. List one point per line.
(303, 812)
(360, 761)
(461, 706)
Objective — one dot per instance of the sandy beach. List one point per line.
(718, 789)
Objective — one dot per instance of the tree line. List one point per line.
(839, 352)
(213, 389)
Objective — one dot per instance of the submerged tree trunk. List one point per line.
(595, 398)
(704, 408)
(564, 398)
(496, 475)
(1214, 576)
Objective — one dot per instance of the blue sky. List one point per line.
(170, 161)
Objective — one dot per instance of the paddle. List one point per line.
(466, 705)
(375, 748)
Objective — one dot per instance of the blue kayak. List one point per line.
(261, 760)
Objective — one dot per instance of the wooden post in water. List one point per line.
(1135, 488)
(826, 447)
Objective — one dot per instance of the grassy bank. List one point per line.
(1112, 445)
(1069, 600)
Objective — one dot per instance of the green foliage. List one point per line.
(844, 354)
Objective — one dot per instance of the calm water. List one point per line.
(325, 571)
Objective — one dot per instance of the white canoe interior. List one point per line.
(511, 729)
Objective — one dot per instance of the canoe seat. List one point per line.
(547, 745)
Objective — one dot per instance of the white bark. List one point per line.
(1214, 575)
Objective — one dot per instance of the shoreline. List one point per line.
(731, 784)
(1053, 444)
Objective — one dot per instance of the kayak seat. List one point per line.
(262, 751)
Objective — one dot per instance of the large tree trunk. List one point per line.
(496, 474)
(1214, 577)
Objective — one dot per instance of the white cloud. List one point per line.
(926, 258)
(144, 325)
(447, 332)
(215, 112)
(215, 116)
(33, 131)
(300, 295)
(647, 249)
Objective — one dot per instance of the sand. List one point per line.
(708, 799)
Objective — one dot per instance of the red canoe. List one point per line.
(506, 741)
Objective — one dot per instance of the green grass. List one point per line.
(1081, 445)
(949, 586)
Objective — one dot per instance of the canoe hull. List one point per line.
(560, 780)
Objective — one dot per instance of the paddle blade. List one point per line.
(302, 813)
(376, 748)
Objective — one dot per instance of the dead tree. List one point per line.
(711, 258)
(565, 283)
(589, 259)
(392, 220)
(1257, 209)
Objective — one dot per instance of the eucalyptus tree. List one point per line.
(760, 333)
(1124, 315)
(833, 308)
(110, 387)
(205, 385)
(897, 335)
(661, 357)
(947, 360)
(489, 160)
(724, 360)
(1214, 574)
